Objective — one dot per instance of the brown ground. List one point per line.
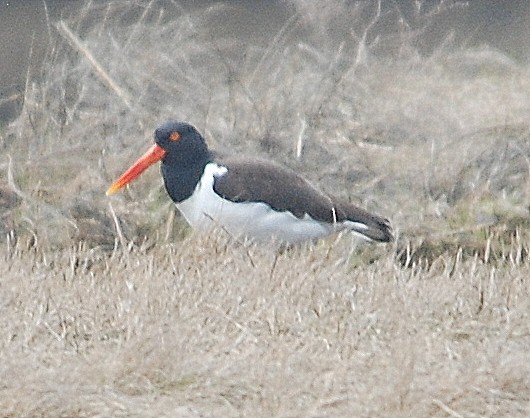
(110, 307)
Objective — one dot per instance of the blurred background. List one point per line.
(417, 110)
(25, 26)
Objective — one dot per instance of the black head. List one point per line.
(186, 156)
(183, 143)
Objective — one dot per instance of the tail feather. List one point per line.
(373, 227)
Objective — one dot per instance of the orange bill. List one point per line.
(154, 154)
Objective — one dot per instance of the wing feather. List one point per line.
(285, 190)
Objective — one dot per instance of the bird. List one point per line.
(254, 199)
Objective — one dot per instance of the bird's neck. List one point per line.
(181, 177)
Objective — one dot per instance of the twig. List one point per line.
(446, 409)
(52, 332)
(147, 9)
(238, 325)
(289, 26)
(169, 225)
(99, 70)
(48, 25)
(301, 137)
(121, 237)
(274, 265)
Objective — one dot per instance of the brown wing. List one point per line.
(285, 190)
(279, 187)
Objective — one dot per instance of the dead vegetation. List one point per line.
(114, 309)
(209, 327)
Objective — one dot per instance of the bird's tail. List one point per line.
(373, 227)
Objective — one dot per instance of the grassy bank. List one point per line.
(112, 307)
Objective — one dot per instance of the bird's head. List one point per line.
(176, 143)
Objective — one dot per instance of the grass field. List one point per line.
(112, 307)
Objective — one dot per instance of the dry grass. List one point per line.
(118, 311)
(208, 327)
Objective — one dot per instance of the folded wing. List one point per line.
(285, 190)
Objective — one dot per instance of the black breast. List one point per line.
(181, 180)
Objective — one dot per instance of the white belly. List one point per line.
(206, 210)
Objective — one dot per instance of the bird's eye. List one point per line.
(174, 136)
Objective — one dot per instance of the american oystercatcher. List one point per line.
(249, 198)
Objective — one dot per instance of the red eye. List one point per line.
(174, 136)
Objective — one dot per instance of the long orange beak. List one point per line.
(154, 154)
